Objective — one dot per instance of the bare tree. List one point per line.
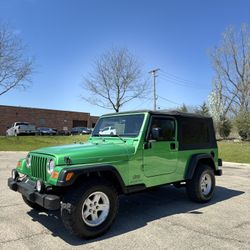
(15, 69)
(116, 80)
(218, 106)
(231, 62)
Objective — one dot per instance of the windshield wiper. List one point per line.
(116, 135)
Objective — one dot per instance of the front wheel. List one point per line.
(88, 211)
(201, 187)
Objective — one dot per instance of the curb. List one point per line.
(225, 163)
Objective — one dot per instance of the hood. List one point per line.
(89, 152)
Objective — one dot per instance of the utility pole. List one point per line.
(153, 72)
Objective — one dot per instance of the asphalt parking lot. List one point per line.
(163, 218)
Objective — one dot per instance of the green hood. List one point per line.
(89, 152)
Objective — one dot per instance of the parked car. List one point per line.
(87, 131)
(107, 131)
(21, 128)
(46, 131)
(80, 131)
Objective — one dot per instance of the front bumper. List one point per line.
(27, 188)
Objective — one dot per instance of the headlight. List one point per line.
(40, 187)
(28, 161)
(51, 165)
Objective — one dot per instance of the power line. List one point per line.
(145, 102)
(173, 79)
(180, 81)
(165, 99)
(160, 97)
(153, 72)
(176, 82)
(178, 78)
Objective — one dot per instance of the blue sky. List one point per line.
(66, 36)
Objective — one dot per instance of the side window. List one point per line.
(162, 129)
(195, 132)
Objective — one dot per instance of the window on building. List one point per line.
(79, 123)
(42, 122)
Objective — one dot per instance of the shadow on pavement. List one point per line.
(136, 211)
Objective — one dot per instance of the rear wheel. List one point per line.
(201, 187)
(89, 210)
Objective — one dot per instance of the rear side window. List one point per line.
(195, 132)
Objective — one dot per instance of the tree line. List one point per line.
(230, 98)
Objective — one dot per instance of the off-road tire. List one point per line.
(32, 204)
(193, 186)
(72, 205)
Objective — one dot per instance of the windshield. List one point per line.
(22, 123)
(124, 125)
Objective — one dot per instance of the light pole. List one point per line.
(153, 72)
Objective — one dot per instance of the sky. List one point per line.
(65, 37)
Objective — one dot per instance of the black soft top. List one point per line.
(179, 114)
(190, 125)
(162, 112)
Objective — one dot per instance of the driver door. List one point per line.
(160, 153)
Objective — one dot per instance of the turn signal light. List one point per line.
(54, 175)
(69, 176)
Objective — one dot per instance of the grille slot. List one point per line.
(39, 167)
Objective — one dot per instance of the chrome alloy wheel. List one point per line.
(206, 184)
(95, 209)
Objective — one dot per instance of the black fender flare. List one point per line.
(81, 170)
(194, 161)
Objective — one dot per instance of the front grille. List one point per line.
(39, 167)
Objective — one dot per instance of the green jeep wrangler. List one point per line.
(126, 153)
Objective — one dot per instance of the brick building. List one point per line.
(58, 119)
